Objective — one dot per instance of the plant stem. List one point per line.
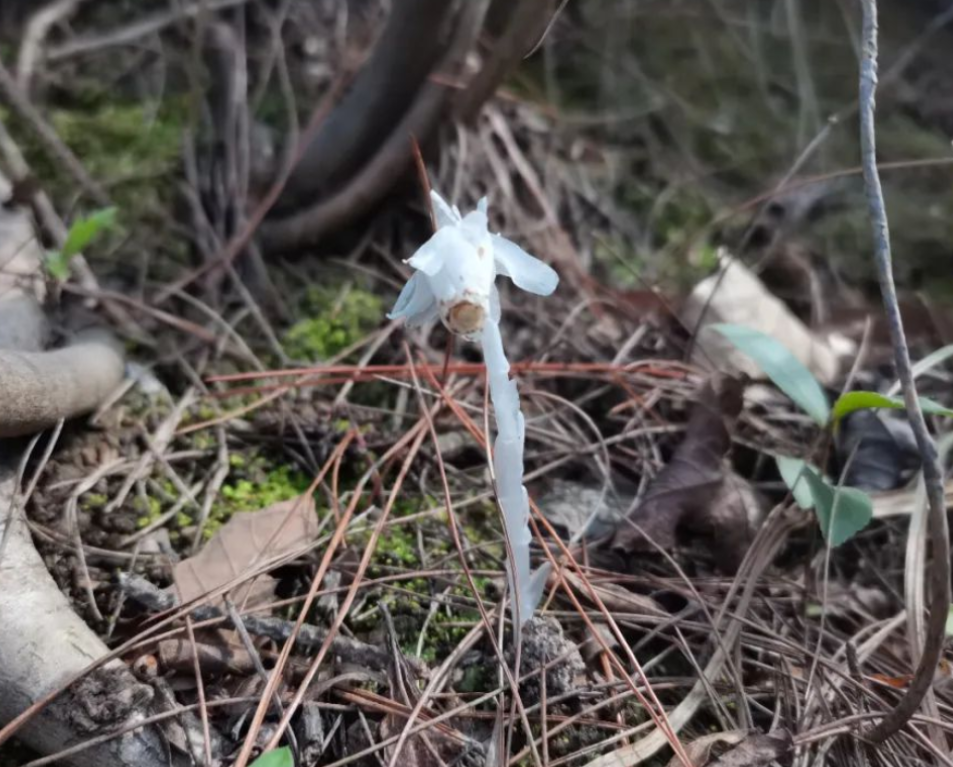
(525, 587)
(894, 720)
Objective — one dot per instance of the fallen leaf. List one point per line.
(616, 599)
(248, 539)
(694, 492)
(880, 452)
(699, 750)
(745, 749)
(735, 295)
(591, 647)
(758, 750)
(575, 508)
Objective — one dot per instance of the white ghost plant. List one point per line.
(455, 279)
(456, 270)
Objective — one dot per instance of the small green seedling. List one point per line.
(841, 511)
(82, 232)
(277, 757)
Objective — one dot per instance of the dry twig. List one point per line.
(932, 471)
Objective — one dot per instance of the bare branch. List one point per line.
(932, 471)
(395, 155)
(526, 24)
(417, 34)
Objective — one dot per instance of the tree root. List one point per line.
(39, 388)
(381, 164)
(44, 645)
(417, 35)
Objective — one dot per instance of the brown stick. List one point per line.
(417, 35)
(378, 174)
(932, 470)
(368, 187)
(523, 29)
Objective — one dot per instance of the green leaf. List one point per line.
(279, 757)
(949, 623)
(859, 400)
(782, 367)
(56, 265)
(85, 229)
(790, 469)
(842, 512)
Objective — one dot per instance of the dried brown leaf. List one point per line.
(758, 750)
(248, 539)
(745, 749)
(736, 295)
(694, 491)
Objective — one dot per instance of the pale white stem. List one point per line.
(526, 587)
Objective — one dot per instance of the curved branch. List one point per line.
(377, 176)
(44, 645)
(365, 189)
(939, 534)
(40, 388)
(527, 22)
(417, 35)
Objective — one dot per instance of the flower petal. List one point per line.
(495, 311)
(445, 215)
(432, 255)
(528, 272)
(416, 301)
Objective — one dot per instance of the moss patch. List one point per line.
(134, 149)
(336, 320)
(253, 487)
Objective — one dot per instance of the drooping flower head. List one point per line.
(456, 272)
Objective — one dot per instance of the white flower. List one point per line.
(456, 272)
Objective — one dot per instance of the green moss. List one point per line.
(476, 678)
(203, 440)
(134, 149)
(279, 484)
(93, 501)
(149, 509)
(254, 487)
(335, 322)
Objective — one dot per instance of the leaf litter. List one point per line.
(246, 541)
(625, 370)
(696, 492)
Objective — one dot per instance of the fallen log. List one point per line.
(44, 644)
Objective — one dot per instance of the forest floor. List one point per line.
(278, 435)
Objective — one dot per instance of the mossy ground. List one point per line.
(431, 615)
(253, 483)
(133, 149)
(333, 319)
